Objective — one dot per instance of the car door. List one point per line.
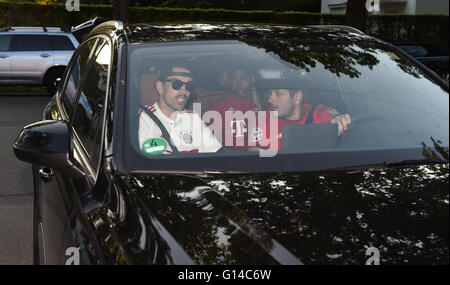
(88, 117)
(88, 124)
(60, 223)
(5, 57)
(32, 58)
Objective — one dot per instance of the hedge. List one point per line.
(410, 28)
(392, 28)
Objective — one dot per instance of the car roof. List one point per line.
(180, 32)
(165, 32)
(32, 30)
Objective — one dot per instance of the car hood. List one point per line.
(334, 217)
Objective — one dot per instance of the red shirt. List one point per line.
(235, 125)
(261, 135)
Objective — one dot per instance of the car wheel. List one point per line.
(50, 80)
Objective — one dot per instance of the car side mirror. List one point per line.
(47, 143)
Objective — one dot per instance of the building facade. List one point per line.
(409, 7)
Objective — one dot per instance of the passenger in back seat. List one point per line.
(243, 98)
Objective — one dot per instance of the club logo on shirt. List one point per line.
(256, 135)
(238, 128)
(187, 137)
(333, 112)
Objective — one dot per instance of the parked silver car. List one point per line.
(34, 55)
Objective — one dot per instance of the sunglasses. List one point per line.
(177, 84)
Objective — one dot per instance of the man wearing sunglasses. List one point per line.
(166, 127)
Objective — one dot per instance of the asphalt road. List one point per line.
(16, 183)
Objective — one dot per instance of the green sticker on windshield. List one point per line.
(154, 146)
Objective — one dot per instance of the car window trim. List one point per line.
(79, 155)
(82, 152)
(105, 107)
(68, 116)
(78, 145)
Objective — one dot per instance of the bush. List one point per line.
(410, 28)
(31, 14)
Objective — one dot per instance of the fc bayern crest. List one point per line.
(333, 112)
(187, 138)
(256, 135)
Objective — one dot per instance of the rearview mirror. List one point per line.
(47, 143)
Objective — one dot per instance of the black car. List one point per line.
(378, 193)
(430, 55)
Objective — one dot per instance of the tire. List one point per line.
(50, 80)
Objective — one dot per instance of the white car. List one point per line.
(34, 55)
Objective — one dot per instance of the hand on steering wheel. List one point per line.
(342, 121)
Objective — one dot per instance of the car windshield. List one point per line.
(200, 100)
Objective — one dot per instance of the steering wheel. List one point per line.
(362, 118)
(359, 120)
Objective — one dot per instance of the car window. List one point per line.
(5, 42)
(411, 49)
(77, 68)
(285, 96)
(421, 51)
(61, 43)
(32, 43)
(88, 120)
